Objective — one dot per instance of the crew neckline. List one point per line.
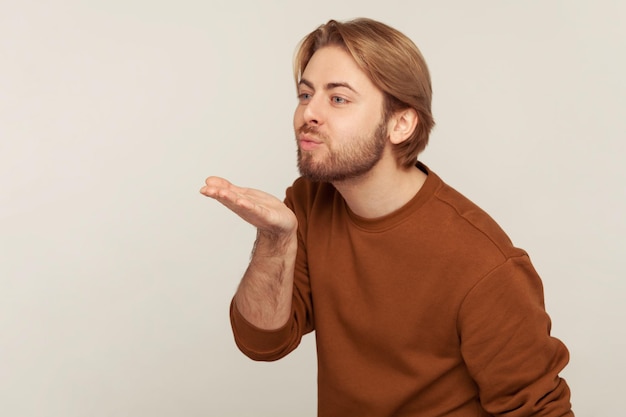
(396, 217)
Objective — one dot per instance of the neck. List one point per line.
(384, 189)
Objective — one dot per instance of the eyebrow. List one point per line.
(329, 86)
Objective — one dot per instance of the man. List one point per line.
(420, 304)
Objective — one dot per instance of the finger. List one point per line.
(218, 182)
(215, 185)
(212, 185)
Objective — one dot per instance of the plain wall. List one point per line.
(116, 274)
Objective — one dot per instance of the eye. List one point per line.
(304, 97)
(338, 100)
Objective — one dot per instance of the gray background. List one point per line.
(116, 274)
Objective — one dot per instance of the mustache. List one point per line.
(308, 129)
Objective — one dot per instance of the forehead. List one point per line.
(332, 64)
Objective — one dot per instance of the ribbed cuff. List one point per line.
(254, 340)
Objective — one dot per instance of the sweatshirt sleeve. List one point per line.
(260, 344)
(506, 344)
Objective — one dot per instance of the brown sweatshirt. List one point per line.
(428, 311)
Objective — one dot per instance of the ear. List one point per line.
(402, 125)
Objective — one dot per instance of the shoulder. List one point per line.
(303, 194)
(466, 221)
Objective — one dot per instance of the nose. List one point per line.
(313, 110)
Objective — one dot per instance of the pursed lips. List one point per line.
(308, 142)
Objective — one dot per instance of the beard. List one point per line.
(354, 158)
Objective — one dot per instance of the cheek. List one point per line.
(348, 127)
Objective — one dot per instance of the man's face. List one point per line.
(338, 122)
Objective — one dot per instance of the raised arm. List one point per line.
(265, 292)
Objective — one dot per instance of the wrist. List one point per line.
(270, 243)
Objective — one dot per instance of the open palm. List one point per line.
(258, 208)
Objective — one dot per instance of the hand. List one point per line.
(258, 208)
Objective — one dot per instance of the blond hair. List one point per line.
(392, 62)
